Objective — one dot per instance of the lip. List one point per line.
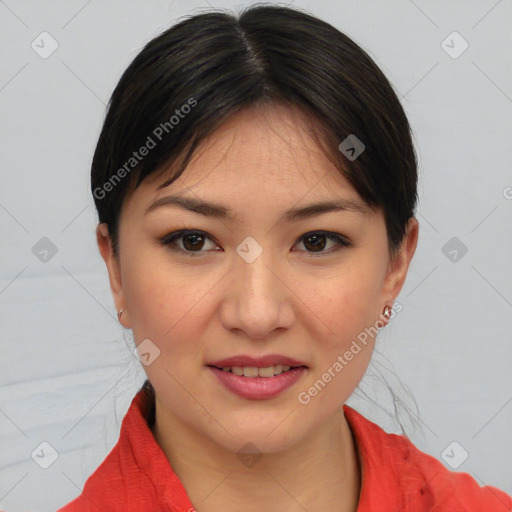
(258, 362)
(258, 387)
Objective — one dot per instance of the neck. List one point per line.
(322, 473)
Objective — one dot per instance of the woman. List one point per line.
(255, 181)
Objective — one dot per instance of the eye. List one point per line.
(191, 242)
(317, 241)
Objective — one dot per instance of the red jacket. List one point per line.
(137, 477)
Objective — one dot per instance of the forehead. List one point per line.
(260, 166)
(267, 147)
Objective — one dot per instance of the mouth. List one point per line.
(256, 380)
(255, 371)
(266, 366)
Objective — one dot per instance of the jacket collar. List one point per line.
(371, 442)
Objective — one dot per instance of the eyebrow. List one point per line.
(221, 212)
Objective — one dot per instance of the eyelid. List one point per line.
(169, 239)
(340, 240)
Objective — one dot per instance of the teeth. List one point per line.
(250, 371)
(263, 372)
(253, 371)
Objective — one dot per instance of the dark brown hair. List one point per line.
(186, 81)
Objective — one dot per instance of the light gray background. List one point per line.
(67, 375)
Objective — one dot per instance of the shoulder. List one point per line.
(115, 481)
(442, 489)
(135, 471)
(418, 481)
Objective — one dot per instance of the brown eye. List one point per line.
(316, 242)
(191, 242)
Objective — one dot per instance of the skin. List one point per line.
(291, 300)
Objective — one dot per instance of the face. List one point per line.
(254, 282)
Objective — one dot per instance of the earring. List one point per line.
(387, 311)
(119, 314)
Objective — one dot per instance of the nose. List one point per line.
(257, 300)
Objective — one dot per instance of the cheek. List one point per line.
(164, 308)
(343, 310)
(166, 302)
(346, 301)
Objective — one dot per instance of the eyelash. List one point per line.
(169, 241)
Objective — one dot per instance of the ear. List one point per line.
(113, 267)
(399, 265)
